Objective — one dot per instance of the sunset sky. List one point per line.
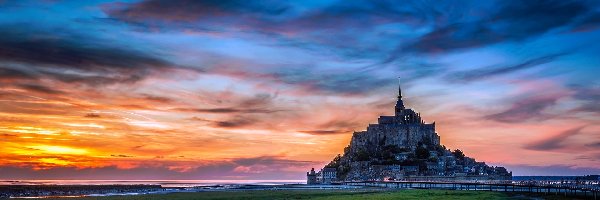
(237, 89)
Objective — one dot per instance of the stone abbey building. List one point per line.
(402, 147)
(405, 130)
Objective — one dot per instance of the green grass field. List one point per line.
(330, 194)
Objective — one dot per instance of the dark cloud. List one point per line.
(206, 15)
(10, 73)
(244, 112)
(314, 78)
(343, 123)
(235, 122)
(67, 57)
(332, 26)
(40, 89)
(483, 73)
(450, 37)
(200, 119)
(337, 26)
(272, 168)
(554, 142)
(8, 135)
(551, 170)
(523, 19)
(594, 145)
(416, 71)
(189, 10)
(589, 107)
(103, 78)
(270, 160)
(360, 15)
(587, 92)
(259, 100)
(513, 21)
(588, 23)
(29, 46)
(525, 109)
(159, 99)
(590, 95)
(260, 103)
(325, 132)
(105, 173)
(92, 115)
(340, 82)
(121, 156)
(227, 110)
(275, 16)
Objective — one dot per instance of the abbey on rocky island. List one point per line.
(402, 147)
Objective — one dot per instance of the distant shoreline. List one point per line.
(120, 190)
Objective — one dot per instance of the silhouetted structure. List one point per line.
(403, 146)
(311, 177)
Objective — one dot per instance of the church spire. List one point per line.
(399, 102)
(399, 92)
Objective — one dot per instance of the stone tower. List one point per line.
(405, 129)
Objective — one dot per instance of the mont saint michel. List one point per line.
(399, 147)
(239, 99)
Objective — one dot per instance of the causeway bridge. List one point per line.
(586, 190)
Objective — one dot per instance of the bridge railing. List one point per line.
(586, 189)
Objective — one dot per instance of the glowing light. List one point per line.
(148, 124)
(30, 130)
(81, 133)
(59, 149)
(91, 125)
(54, 161)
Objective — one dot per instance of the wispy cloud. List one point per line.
(484, 73)
(529, 108)
(554, 142)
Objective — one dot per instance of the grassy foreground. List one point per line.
(329, 194)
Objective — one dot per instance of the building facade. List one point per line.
(311, 177)
(324, 176)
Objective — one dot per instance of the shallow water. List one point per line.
(163, 183)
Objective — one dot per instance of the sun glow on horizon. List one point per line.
(48, 149)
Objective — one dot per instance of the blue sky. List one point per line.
(284, 83)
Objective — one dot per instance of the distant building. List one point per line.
(311, 177)
(326, 175)
(410, 170)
